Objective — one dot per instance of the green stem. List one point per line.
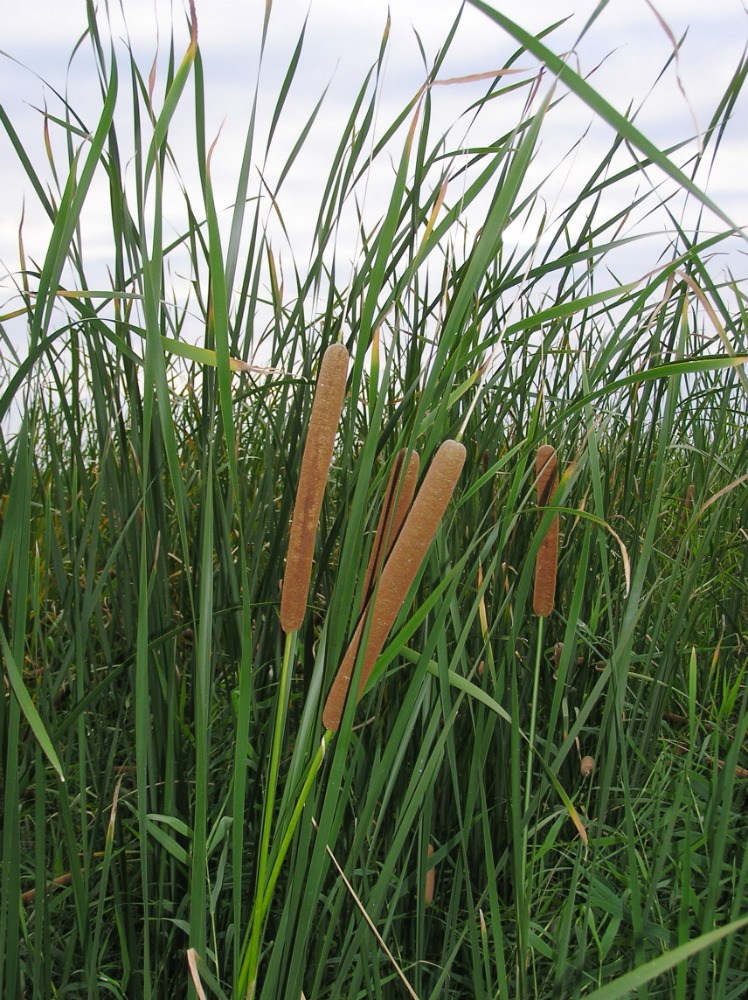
(533, 715)
(528, 785)
(295, 817)
(248, 974)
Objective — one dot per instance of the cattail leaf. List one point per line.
(27, 706)
(624, 985)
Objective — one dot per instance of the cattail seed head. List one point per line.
(428, 893)
(315, 466)
(687, 504)
(397, 499)
(546, 470)
(398, 574)
(587, 766)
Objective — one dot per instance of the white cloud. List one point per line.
(342, 42)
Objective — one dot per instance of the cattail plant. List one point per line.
(315, 466)
(398, 574)
(546, 470)
(397, 500)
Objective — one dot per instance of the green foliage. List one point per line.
(203, 827)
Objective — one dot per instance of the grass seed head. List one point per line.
(315, 466)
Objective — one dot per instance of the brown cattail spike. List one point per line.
(587, 766)
(428, 894)
(688, 503)
(398, 574)
(397, 499)
(546, 470)
(315, 465)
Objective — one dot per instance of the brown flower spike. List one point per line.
(315, 466)
(397, 500)
(398, 574)
(546, 470)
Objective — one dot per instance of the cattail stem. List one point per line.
(533, 716)
(546, 470)
(398, 574)
(248, 974)
(252, 952)
(527, 887)
(315, 466)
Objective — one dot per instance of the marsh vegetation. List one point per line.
(518, 805)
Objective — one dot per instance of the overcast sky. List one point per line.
(627, 48)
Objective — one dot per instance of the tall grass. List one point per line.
(175, 816)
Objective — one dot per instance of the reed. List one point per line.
(398, 574)
(315, 466)
(546, 471)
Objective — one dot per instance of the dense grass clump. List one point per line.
(538, 793)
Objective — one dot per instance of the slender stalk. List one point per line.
(531, 741)
(251, 955)
(295, 816)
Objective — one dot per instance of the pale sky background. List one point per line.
(626, 47)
